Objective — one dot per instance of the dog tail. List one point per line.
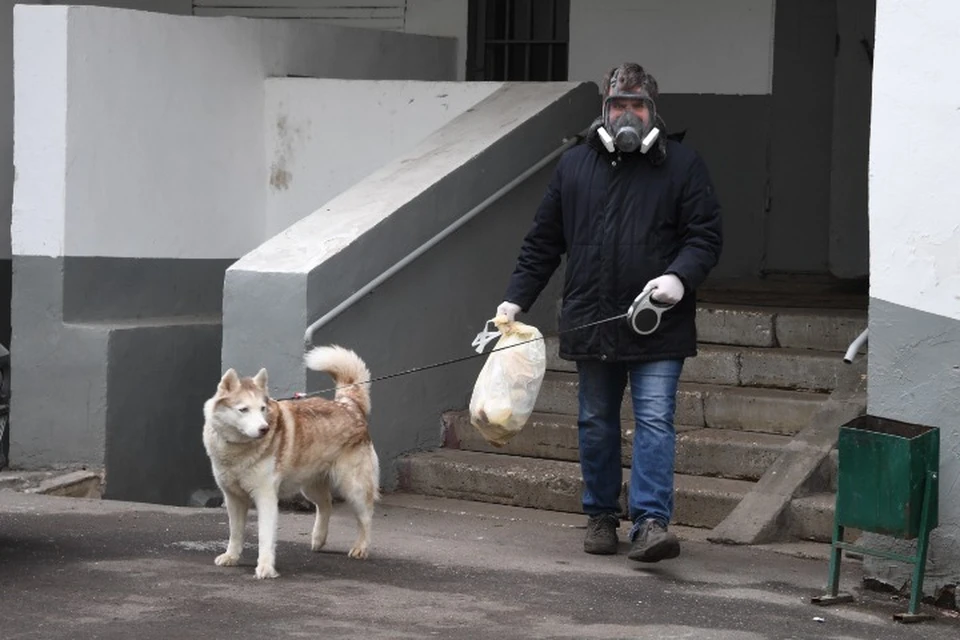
(349, 372)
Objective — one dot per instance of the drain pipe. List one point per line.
(854, 347)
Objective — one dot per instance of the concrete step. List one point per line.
(758, 326)
(780, 368)
(700, 452)
(754, 326)
(773, 411)
(549, 484)
(811, 517)
(762, 410)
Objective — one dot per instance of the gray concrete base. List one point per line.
(740, 455)
(779, 368)
(551, 484)
(6, 287)
(76, 484)
(158, 379)
(791, 328)
(774, 411)
(124, 392)
(758, 516)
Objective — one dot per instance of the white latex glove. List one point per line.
(508, 310)
(668, 289)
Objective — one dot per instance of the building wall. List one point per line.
(142, 174)
(693, 46)
(427, 17)
(720, 96)
(447, 18)
(323, 136)
(914, 348)
(6, 131)
(714, 66)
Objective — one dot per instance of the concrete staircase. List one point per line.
(760, 377)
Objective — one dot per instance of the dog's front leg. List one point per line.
(267, 533)
(237, 507)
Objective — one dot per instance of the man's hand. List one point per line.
(667, 289)
(509, 310)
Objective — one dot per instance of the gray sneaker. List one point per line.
(601, 535)
(652, 542)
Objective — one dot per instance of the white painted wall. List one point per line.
(6, 92)
(915, 253)
(39, 201)
(386, 190)
(164, 128)
(690, 46)
(915, 134)
(323, 136)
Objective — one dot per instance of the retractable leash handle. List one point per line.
(644, 313)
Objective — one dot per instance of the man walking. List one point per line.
(634, 212)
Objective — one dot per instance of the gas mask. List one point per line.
(628, 132)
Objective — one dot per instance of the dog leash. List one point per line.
(638, 316)
(444, 363)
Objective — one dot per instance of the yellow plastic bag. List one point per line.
(509, 382)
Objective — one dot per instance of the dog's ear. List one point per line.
(261, 379)
(229, 382)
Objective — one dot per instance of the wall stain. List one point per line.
(280, 174)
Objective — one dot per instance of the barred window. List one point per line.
(518, 40)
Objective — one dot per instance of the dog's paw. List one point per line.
(318, 543)
(265, 571)
(359, 553)
(226, 560)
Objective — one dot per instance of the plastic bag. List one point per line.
(509, 382)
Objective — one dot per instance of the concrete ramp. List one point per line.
(432, 309)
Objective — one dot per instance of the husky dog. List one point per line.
(261, 449)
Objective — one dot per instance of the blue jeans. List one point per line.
(653, 387)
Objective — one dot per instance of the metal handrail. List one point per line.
(416, 253)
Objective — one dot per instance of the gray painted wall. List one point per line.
(732, 133)
(819, 141)
(58, 376)
(130, 289)
(157, 380)
(849, 250)
(791, 168)
(914, 375)
(126, 362)
(798, 223)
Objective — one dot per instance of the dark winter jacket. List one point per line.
(622, 220)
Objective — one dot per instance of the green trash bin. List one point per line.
(887, 484)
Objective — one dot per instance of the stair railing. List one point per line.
(426, 246)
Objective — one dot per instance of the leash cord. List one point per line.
(436, 365)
